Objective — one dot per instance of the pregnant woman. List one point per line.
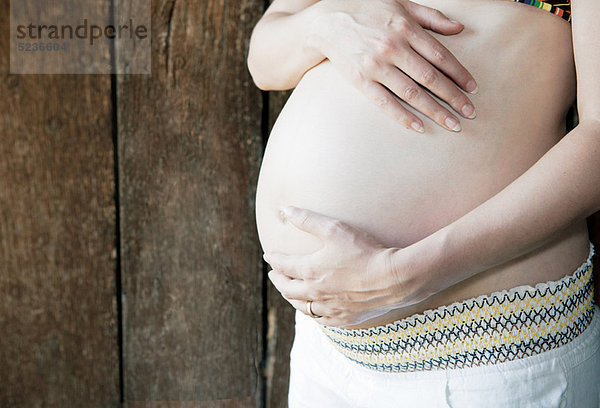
(432, 240)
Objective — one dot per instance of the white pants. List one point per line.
(567, 376)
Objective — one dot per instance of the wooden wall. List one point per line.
(131, 270)
(58, 256)
(189, 151)
(131, 274)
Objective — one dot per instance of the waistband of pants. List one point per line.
(489, 329)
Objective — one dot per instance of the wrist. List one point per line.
(417, 271)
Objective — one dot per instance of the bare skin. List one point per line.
(431, 219)
(379, 47)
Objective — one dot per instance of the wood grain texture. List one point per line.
(58, 321)
(189, 153)
(226, 403)
(280, 315)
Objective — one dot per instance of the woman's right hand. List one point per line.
(382, 48)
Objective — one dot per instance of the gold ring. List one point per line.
(309, 310)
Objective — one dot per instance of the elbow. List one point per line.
(268, 83)
(264, 78)
(264, 75)
(267, 75)
(252, 64)
(260, 80)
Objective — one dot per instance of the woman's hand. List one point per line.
(349, 280)
(382, 48)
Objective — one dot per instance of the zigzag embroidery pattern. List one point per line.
(501, 327)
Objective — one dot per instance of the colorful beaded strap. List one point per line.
(504, 326)
(561, 9)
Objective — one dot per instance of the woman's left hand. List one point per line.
(349, 280)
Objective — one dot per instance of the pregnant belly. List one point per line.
(333, 151)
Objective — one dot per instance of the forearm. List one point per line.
(282, 48)
(562, 187)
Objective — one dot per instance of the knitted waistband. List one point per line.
(489, 329)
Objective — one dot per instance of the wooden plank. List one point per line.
(58, 314)
(227, 403)
(189, 154)
(280, 313)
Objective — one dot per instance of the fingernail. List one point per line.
(453, 124)
(455, 22)
(289, 211)
(468, 111)
(418, 127)
(472, 87)
(282, 216)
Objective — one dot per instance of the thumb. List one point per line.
(309, 221)
(433, 19)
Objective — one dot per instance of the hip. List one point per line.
(564, 375)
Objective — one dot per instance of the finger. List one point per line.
(433, 19)
(427, 75)
(286, 264)
(301, 305)
(439, 56)
(327, 316)
(291, 289)
(323, 319)
(407, 90)
(385, 100)
(320, 225)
